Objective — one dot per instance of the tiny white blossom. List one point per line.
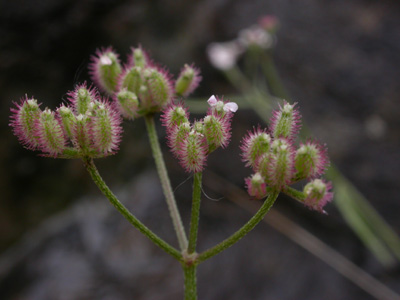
(231, 106)
(212, 101)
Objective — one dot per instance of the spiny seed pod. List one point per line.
(139, 57)
(67, 119)
(311, 160)
(23, 121)
(81, 136)
(198, 126)
(105, 69)
(174, 115)
(51, 136)
(281, 164)
(217, 132)
(131, 79)
(193, 153)
(285, 122)
(188, 80)
(81, 97)
(256, 186)
(254, 145)
(105, 129)
(318, 194)
(176, 136)
(127, 103)
(159, 89)
(263, 164)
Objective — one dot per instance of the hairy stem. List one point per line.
(194, 222)
(189, 272)
(90, 166)
(165, 183)
(234, 238)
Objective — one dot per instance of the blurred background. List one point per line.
(60, 239)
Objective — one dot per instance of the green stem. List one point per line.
(295, 194)
(194, 222)
(90, 166)
(242, 231)
(271, 74)
(165, 183)
(189, 272)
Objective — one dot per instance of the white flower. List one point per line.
(223, 56)
(231, 106)
(212, 101)
(255, 35)
(218, 105)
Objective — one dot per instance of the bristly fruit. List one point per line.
(276, 162)
(286, 121)
(105, 69)
(192, 143)
(256, 186)
(254, 145)
(51, 135)
(89, 127)
(23, 121)
(317, 194)
(188, 80)
(311, 160)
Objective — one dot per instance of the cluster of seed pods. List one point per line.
(277, 163)
(191, 143)
(89, 125)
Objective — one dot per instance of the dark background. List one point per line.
(61, 240)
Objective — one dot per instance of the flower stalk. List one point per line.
(234, 238)
(194, 222)
(94, 173)
(165, 183)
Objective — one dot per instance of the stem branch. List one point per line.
(90, 166)
(165, 183)
(234, 238)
